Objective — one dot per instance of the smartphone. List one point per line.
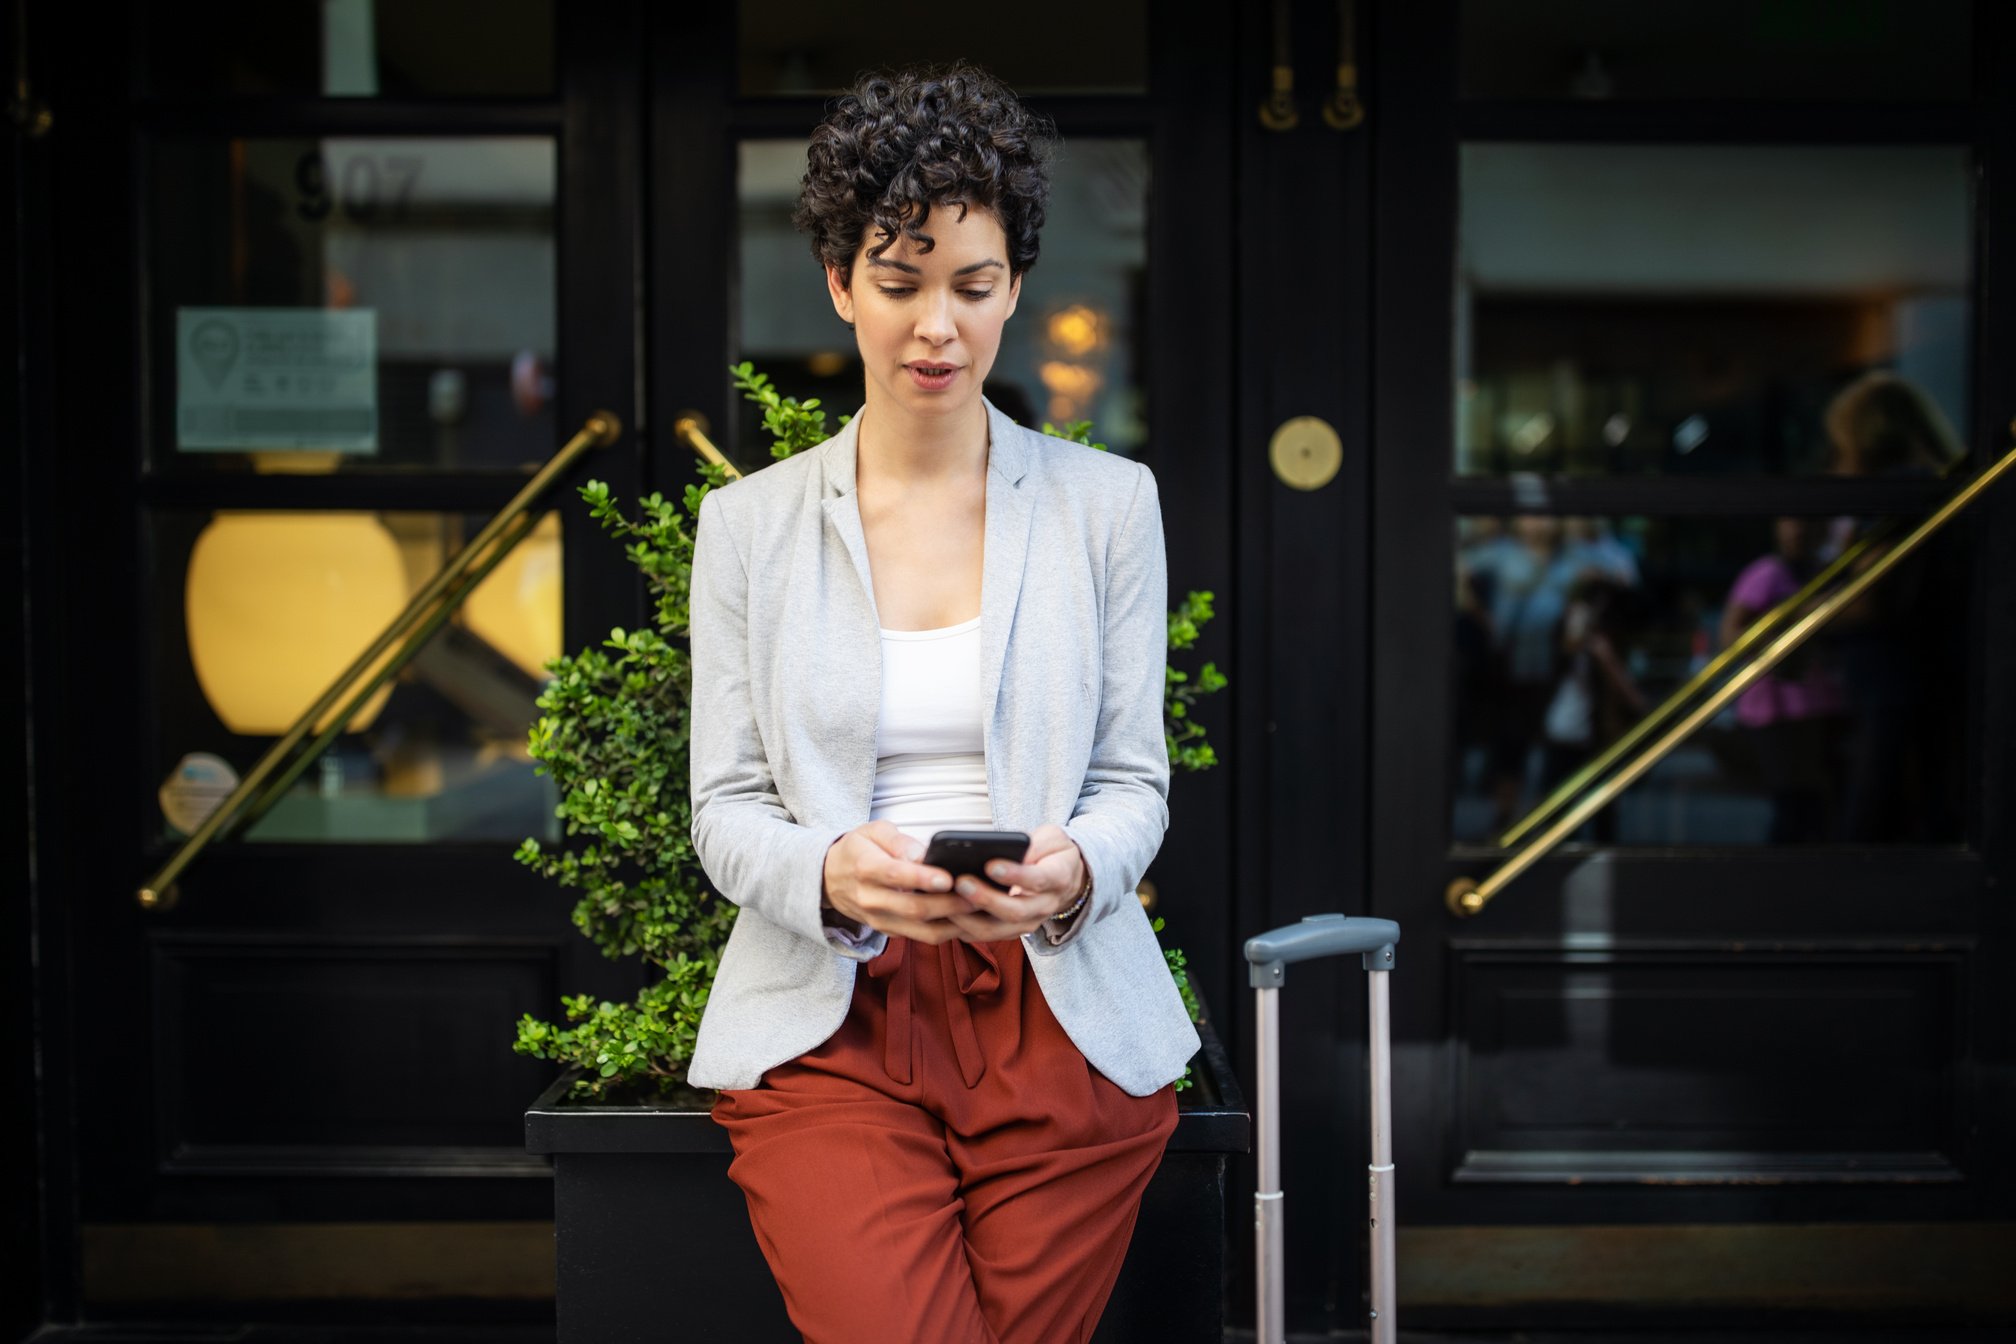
(963, 853)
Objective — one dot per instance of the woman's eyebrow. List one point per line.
(907, 268)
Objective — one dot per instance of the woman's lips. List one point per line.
(932, 382)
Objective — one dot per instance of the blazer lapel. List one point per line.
(1006, 554)
(843, 505)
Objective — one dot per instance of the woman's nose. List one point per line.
(934, 320)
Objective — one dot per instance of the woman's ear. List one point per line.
(843, 297)
(1014, 294)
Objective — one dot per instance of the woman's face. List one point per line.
(929, 323)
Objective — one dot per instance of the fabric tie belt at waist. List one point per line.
(964, 969)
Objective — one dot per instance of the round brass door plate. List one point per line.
(1306, 452)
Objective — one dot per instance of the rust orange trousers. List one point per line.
(947, 1168)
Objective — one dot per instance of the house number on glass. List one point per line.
(1306, 452)
(367, 184)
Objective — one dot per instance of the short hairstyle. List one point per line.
(896, 144)
(1883, 423)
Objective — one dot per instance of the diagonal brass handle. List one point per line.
(691, 428)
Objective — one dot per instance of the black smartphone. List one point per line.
(968, 852)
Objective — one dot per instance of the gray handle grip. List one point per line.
(1319, 936)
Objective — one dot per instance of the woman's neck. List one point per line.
(896, 447)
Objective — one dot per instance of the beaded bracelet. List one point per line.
(1083, 892)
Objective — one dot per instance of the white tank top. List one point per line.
(930, 765)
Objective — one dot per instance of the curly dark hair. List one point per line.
(898, 143)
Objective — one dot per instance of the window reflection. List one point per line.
(1568, 629)
(272, 605)
(1073, 350)
(1681, 309)
(275, 263)
(806, 46)
(352, 48)
(1763, 50)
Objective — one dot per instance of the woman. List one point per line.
(1895, 646)
(935, 619)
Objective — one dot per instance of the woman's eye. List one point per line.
(905, 291)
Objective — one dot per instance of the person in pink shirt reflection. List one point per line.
(1794, 713)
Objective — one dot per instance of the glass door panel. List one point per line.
(1567, 630)
(1630, 310)
(1047, 46)
(339, 305)
(1754, 50)
(259, 610)
(351, 49)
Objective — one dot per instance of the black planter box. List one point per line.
(653, 1240)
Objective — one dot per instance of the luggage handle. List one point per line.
(1268, 955)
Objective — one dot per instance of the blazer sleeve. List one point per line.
(1123, 805)
(753, 850)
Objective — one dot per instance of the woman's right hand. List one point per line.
(872, 876)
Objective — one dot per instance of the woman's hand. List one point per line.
(872, 876)
(1045, 883)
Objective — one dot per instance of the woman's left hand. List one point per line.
(1022, 895)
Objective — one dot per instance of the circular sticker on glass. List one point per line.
(194, 788)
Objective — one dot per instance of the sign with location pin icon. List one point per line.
(258, 379)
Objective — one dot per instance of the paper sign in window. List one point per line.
(276, 378)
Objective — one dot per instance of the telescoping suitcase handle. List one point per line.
(1268, 955)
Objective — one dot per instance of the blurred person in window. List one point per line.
(1476, 679)
(1525, 595)
(1588, 544)
(1897, 782)
(1525, 576)
(1792, 715)
(1595, 699)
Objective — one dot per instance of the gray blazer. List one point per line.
(787, 665)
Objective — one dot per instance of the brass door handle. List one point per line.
(1344, 110)
(1277, 112)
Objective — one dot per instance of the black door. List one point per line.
(330, 283)
(1641, 278)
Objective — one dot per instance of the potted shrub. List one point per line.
(653, 1238)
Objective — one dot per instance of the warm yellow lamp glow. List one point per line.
(295, 462)
(1076, 331)
(278, 603)
(1071, 387)
(516, 609)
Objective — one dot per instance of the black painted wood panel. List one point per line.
(292, 1056)
(1703, 1063)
